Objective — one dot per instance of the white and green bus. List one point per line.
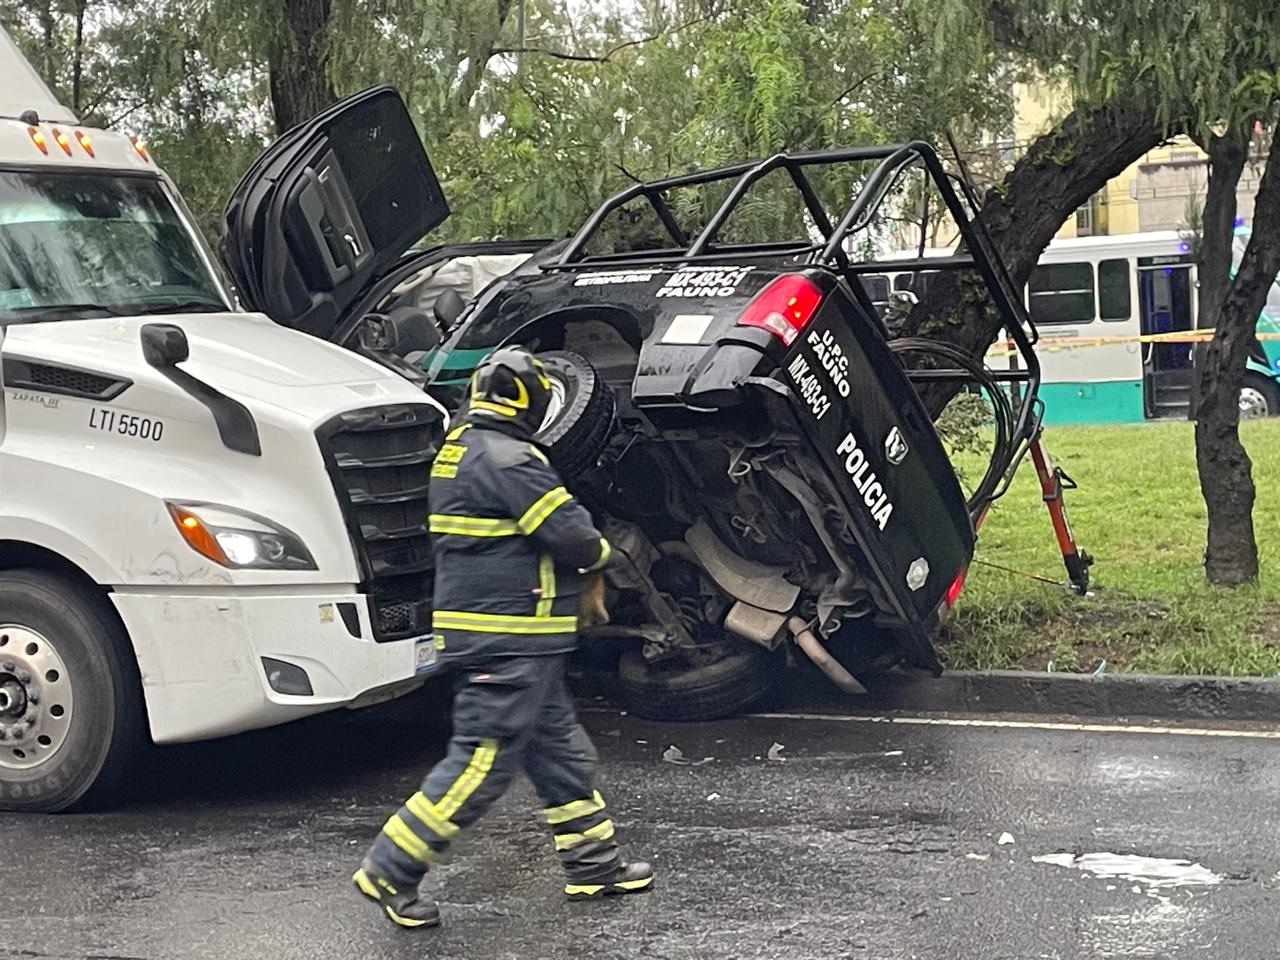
(1110, 311)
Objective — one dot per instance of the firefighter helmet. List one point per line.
(511, 386)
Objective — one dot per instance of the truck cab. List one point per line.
(209, 522)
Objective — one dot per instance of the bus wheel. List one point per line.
(1259, 397)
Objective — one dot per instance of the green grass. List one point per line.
(1139, 513)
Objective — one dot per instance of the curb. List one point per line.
(1058, 694)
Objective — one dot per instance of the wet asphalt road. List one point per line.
(862, 839)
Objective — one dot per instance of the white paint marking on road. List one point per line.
(1028, 725)
(1156, 872)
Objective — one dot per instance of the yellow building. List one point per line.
(1161, 191)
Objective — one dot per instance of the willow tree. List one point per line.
(1140, 71)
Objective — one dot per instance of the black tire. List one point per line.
(673, 690)
(105, 734)
(580, 429)
(1268, 390)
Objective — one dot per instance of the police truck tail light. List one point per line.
(784, 307)
(953, 591)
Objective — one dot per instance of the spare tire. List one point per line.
(675, 690)
(580, 417)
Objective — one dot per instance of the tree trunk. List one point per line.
(298, 63)
(1227, 158)
(1226, 472)
(1059, 172)
(77, 58)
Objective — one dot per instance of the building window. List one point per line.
(1062, 293)
(1113, 290)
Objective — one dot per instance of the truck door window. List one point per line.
(81, 245)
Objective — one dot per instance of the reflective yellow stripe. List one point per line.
(574, 809)
(457, 431)
(601, 831)
(606, 551)
(501, 408)
(539, 454)
(542, 508)
(589, 889)
(470, 778)
(407, 840)
(472, 526)
(425, 810)
(546, 584)
(501, 622)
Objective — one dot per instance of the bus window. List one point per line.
(877, 287)
(1062, 293)
(1113, 290)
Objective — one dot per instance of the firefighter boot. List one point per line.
(626, 878)
(403, 907)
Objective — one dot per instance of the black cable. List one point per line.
(1003, 452)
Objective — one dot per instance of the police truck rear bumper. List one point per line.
(214, 664)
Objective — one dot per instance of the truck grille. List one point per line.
(379, 459)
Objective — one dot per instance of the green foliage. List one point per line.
(532, 112)
(1139, 512)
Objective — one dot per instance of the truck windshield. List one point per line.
(75, 245)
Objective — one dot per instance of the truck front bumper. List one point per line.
(201, 657)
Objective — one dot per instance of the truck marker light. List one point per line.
(197, 535)
(62, 140)
(140, 148)
(783, 307)
(37, 137)
(86, 144)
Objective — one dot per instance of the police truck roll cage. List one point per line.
(831, 253)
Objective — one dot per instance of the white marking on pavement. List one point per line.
(1029, 725)
(1155, 872)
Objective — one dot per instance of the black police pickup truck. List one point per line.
(735, 413)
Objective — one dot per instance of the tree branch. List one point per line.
(608, 55)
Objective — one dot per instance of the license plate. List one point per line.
(424, 655)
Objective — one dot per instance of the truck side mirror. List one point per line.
(164, 345)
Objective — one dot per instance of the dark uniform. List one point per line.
(511, 548)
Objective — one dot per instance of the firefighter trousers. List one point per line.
(509, 714)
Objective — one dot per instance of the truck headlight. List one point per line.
(238, 539)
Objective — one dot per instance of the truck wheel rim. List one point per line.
(555, 405)
(36, 699)
(1253, 404)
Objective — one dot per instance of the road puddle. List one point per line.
(1154, 872)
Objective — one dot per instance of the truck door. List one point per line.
(328, 208)
(1165, 297)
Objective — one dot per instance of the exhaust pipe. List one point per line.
(808, 641)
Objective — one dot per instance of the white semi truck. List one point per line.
(208, 522)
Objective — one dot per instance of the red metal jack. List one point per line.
(1053, 480)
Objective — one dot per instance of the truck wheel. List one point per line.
(674, 690)
(1259, 397)
(71, 716)
(580, 417)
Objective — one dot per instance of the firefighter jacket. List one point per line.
(511, 545)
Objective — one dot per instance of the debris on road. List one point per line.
(1006, 839)
(775, 752)
(1155, 872)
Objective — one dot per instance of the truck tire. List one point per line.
(674, 690)
(72, 725)
(581, 413)
(1259, 397)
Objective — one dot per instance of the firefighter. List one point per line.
(512, 547)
